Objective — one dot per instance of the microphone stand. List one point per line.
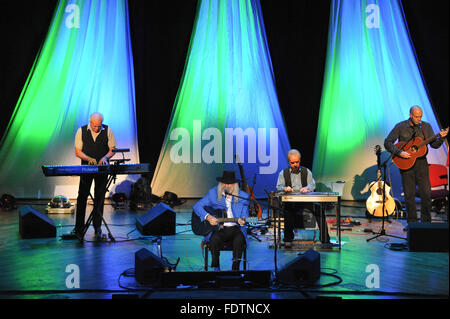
(275, 230)
(252, 201)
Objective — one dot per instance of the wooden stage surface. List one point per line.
(36, 268)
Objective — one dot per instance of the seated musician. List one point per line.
(93, 145)
(234, 207)
(297, 179)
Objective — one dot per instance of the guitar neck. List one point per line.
(227, 220)
(244, 180)
(428, 140)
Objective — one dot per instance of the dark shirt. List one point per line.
(405, 130)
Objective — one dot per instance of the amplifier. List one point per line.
(428, 237)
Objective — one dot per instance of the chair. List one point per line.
(439, 178)
(228, 246)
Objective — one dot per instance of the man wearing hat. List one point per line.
(219, 198)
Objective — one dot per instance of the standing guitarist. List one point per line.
(219, 198)
(418, 174)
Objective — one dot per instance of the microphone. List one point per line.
(227, 193)
(420, 124)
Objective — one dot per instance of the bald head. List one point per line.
(96, 116)
(95, 121)
(415, 114)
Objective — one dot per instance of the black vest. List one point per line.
(303, 176)
(96, 149)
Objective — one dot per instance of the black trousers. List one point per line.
(293, 218)
(231, 234)
(99, 200)
(417, 175)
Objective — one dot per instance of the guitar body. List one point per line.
(374, 203)
(203, 228)
(414, 148)
(255, 208)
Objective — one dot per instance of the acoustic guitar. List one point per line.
(374, 203)
(203, 228)
(417, 147)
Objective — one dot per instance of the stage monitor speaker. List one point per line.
(33, 224)
(304, 268)
(160, 220)
(432, 237)
(148, 267)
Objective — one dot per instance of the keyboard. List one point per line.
(74, 170)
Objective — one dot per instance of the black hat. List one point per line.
(172, 199)
(228, 177)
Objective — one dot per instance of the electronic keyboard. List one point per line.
(73, 170)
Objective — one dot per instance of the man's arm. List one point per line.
(439, 140)
(311, 182)
(111, 144)
(84, 157)
(78, 149)
(390, 140)
(281, 183)
(105, 159)
(202, 213)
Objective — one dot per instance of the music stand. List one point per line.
(382, 231)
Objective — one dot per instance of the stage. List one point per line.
(43, 268)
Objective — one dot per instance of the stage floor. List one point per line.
(37, 268)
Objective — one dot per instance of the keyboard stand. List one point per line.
(112, 177)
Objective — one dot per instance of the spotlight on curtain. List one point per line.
(372, 78)
(226, 105)
(85, 65)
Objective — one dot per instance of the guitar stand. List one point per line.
(382, 231)
(110, 179)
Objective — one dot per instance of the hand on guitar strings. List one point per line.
(405, 155)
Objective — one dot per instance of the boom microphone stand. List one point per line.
(277, 209)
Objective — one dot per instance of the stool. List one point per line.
(228, 246)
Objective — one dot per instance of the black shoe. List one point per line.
(76, 233)
(98, 234)
(72, 235)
